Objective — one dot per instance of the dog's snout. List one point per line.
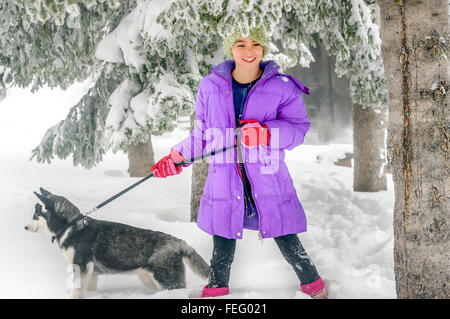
(26, 227)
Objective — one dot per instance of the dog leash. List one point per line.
(151, 175)
(83, 216)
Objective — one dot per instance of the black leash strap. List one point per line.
(82, 216)
(151, 175)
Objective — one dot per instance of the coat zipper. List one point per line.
(230, 89)
(249, 179)
(242, 115)
(253, 188)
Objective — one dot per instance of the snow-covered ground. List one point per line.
(350, 235)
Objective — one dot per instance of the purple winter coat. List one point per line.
(275, 100)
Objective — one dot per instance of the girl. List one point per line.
(268, 111)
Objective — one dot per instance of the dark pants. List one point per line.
(290, 247)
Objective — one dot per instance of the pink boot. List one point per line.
(315, 289)
(214, 292)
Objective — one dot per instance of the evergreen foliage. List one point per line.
(180, 37)
(52, 42)
(82, 133)
(164, 48)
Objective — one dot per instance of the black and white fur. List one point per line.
(98, 247)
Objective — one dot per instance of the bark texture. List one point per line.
(199, 174)
(369, 173)
(2, 93)
(414, 45)
(140, 158)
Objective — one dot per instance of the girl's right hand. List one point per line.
(254, 134)
(166, 165)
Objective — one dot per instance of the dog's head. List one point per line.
(52, 213)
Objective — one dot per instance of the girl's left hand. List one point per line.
(254, 134)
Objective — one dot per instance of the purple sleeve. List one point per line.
(292, 123)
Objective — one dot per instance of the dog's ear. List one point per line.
(43, 199)
(44, 192)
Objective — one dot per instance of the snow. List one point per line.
(349, 237)
(120, 112)
(119, 101)
(147, 19)
(109, 50)
(141, 108)
(121, 44)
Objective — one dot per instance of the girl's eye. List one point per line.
(241, 45)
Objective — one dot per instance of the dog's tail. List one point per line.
(195, 262)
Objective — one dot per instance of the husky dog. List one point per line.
(96, 247)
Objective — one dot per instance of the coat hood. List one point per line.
(269, 68)
(224, 69)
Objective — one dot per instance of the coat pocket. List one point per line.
(222, 216)
(205, 214)
(292, 215)
(288, 187)
(220, 181)
(286, 183)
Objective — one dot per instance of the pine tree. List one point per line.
(345, 26)
(181, 40)
(83, 133)
(53, 43)
(348, 32)
(168, 46)
(2, 83)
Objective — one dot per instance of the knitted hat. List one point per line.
(257, 34)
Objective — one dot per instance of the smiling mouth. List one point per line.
(249, 60)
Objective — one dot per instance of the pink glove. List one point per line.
(254, 134)
(166, 165)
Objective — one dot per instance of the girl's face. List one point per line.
(247, 53)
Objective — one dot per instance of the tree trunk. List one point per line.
(2, 86)
(369, 172)
(414, 49)
(2, 93)
(199, 174)
(140, 158)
